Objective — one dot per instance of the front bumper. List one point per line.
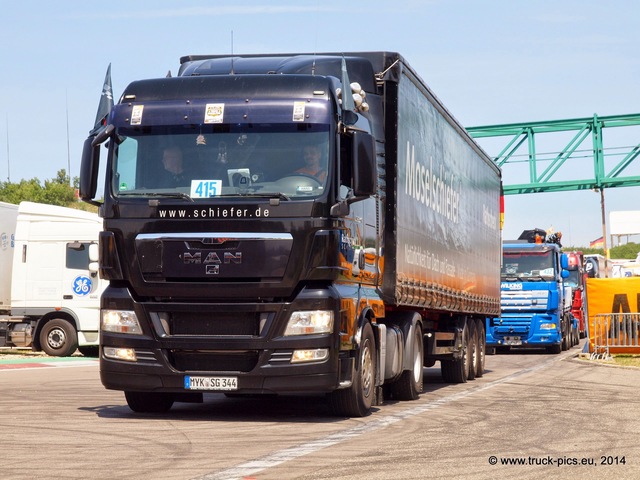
(240, 340)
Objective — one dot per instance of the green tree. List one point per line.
(56, 191)
(627, 251)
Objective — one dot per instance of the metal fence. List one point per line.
(615, 333)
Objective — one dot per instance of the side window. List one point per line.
(77, 256)
(126, 166)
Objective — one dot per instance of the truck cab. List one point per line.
(534, 311)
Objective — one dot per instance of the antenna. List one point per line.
(315, 46)
(66, 101)
(232, 73)
(8, 162)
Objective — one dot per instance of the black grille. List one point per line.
(189, 361)
(214, 323)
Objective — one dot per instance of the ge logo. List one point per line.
(82, 285)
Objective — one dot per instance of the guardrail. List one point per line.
(615, 333)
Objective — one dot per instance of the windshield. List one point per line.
(205, 161)
(574, 279)
(528, 264)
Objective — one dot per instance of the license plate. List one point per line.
(512, 341)
(210, 383)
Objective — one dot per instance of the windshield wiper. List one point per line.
(522, 278)
(278, 195)
(157, 194)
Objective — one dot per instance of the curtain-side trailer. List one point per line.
(248, 276)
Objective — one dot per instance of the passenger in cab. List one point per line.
(313, 164)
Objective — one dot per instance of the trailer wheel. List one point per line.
(58, 338)
(149, 402)
(457, 370)
(356, 400)
(410, 384)
(481, 347)
(473, 349)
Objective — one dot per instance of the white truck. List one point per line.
(49, 289)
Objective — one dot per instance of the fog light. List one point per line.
(126, 354)
(315, 355)
(548, 326)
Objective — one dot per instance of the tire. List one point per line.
(356, 400)
(456, 370)
(410, 384)
(481, 348)
(555, 349)
(58, 338)
(89, 351)
(149, 402)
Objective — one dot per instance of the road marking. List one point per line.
(258, 465)
(12, 365)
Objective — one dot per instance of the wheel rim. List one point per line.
(367, 370)
(466, 350)
(417, 360)
(481, 353)
(474, 357)
(56, 338)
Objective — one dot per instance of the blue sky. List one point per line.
(491, 62)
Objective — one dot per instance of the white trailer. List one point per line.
(49, 287)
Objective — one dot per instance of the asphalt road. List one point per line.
(531, 416)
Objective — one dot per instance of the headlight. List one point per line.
(120, 321)
(310, 322)
(548, 326)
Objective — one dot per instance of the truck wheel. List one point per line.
(356, 400)
(481, 347)
(89, 350)
(409, 385)
(58, 338)
(149, 402)
(457, 370)
(473, 349)
(555, 349)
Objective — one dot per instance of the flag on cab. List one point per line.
(105, 105)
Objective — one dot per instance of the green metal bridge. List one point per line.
(558, 155)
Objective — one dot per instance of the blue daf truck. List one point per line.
(534, 304)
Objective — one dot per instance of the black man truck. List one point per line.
(327, 227)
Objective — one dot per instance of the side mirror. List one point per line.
(364, 168)
(94, 252)
(564, 261)
(89, 171)
(564, 273)
(90, 163)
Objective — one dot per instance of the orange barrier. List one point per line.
(614, 322)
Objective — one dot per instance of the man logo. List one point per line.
(212, 258)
